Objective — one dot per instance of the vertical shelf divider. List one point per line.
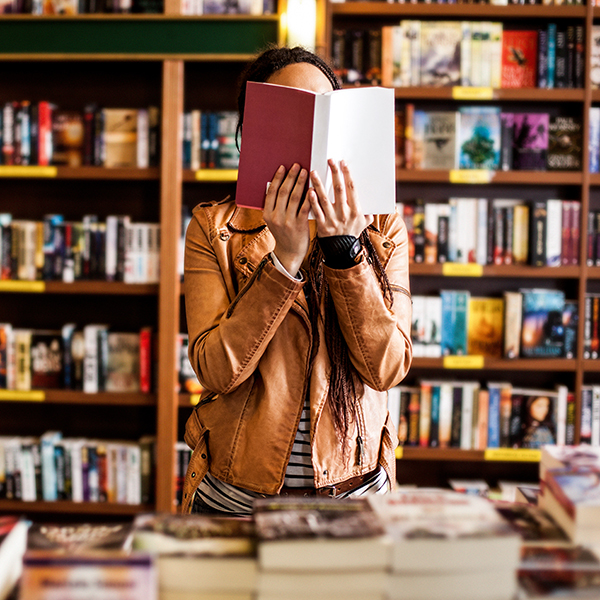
(169, 290)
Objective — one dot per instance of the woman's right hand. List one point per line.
(286, 215)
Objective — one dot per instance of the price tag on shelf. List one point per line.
(452, 269)
(470, 176)
(470, 361)
(22, 286)
(216, 175)
(399, 452)
(472, 93)
(19, 396)
(27, 171)
(513, 454)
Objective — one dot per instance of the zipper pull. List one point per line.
(360, 450)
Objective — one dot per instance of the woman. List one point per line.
(297, 330)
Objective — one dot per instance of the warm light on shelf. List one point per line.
(301, 19)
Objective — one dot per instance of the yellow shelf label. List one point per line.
(452, 269)
(472, 93)
(194, 399)
(27, 171)
(513, 454)
(19, 396)
(216, 175)
(22, 286)
(399, 452)
(470, 175)
(470, 361)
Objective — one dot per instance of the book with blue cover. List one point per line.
(479, 137)
(542, 333)
(455, 305)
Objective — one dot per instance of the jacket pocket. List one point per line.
(194, 429)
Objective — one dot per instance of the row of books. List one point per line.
(91, 358)
(440, 413)
(594, 134)
(52, 467)
(528, 323)
(209, 140)
(499, 231)
(40, 133)
(228, 7)
(486, 137)
(492, 2)
(75, 7)
(481, 53)
(117, 249)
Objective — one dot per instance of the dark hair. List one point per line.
(271, 60)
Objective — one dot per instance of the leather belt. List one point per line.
(330, 490)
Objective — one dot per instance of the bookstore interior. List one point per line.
(117, 117)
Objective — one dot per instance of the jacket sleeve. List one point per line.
(377, 334)
(229, 332)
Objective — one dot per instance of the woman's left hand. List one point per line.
(343, 216)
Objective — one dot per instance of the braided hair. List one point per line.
(345, 385)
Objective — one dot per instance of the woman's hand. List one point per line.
(286, 215)
(344, 216)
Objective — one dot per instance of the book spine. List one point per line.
(538, 233)
(551, 55)
(493, 436)
(594, 139)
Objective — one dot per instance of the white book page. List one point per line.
(361, 132)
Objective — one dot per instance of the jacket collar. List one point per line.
(246, 219)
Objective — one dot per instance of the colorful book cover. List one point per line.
(485, 326)
(533, 418)
(454, 321)
(519, 58)
(123, 370)
(595, 57)
(513, 314)
(542, 334)
(440, 53)
(570, 326)
(46, 359)
(531, 138)
(439, 139)
(479, 137)
(67, 138)
(565, 144)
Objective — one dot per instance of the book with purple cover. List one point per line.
(531, 136)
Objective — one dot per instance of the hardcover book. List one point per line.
(120, 137)
(13, 536)
(440, 53)
(479, 137)
(565, 144)
(67, 138)
(519, 58)
(123, 369)
(46, 359)
(284, 125)
(530, 141)
(439, 139)
(454, 321)
(485, 326)
(533, 418)
(319, 534)
(542, 334)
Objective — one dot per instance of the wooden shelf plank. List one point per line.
(520, 94)
(79, 397)
(519, 177)
(456, 454)
(560, 365)
(483, 11)
(68, 507)
(513, 271)
(79, 287)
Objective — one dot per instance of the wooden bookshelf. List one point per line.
(129, 61)
(433, 466)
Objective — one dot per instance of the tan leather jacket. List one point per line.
(250, 339)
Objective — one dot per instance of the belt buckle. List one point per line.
(329, 491)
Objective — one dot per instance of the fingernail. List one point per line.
(281, 169)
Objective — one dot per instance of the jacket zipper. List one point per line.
(207, 400)
(254, 276)
(399, 288)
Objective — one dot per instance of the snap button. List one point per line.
(224, 236)
(325, 472)
(203, 456)
(193, 474)
(386, 244)
(243, 260)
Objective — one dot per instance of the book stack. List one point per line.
(320, 548)
(447, 546)
(13, 536)
(570, 490)
(199, 557)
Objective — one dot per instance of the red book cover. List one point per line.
(575, 230)
(519, 58)
(146, 360)
(285, 125)
(567, 242)
(45, 148)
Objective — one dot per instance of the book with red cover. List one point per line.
(519, 58)
(284, 125)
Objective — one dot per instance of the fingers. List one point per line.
(273, 189)
(286, 190)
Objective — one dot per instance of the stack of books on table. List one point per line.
(570, 490)
(448, 545)
(320, 548)
(199, 557)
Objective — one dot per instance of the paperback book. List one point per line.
(479, 137)
(542, 333)
(284, 125)
(530, 141)
(440, 53)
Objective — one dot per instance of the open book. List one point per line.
(283, 125)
